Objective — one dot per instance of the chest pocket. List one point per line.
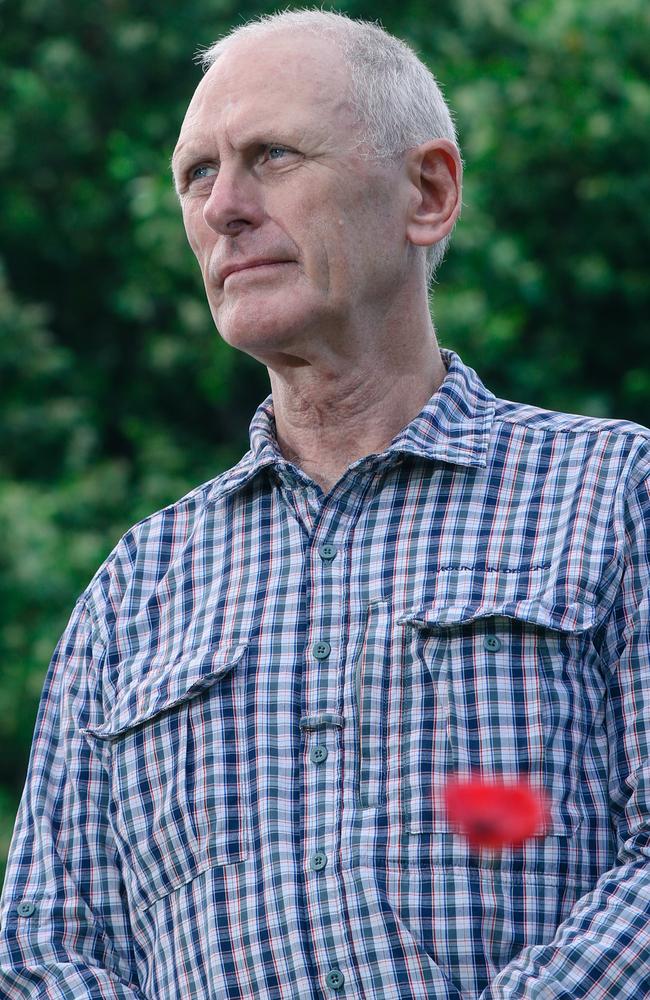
(175, 746)
(492, 689)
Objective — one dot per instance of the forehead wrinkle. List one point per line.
(196, 143)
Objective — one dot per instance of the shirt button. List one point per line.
(318, 754)
(335, 979)
(319, 861)
(321, 650)
(327, 552)
(25, 909)
(492, 643)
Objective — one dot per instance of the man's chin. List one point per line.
(266, 326)
(262, 338)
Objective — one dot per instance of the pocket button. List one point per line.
(492, 643)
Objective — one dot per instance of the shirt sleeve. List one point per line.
(64, 924)
(601, 950)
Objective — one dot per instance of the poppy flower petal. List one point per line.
(497, 813)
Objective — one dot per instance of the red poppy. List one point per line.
(495, 814)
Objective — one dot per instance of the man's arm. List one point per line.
(64, 931)
(600, 952)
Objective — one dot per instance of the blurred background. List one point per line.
(117, 395)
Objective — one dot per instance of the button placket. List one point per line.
(322, 787)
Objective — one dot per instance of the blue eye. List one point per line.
(281, 149)
(194, 172)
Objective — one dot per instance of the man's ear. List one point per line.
(435, 171)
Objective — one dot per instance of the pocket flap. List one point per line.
(162, 689)
(563, 616)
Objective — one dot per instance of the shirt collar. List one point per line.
(454, 426)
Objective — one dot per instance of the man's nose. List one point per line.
(234, 203)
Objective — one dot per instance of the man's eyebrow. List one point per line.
(188, 150)
(180, 151)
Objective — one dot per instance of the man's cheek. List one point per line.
(196, 231)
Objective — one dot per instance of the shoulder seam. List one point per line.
(639, 432)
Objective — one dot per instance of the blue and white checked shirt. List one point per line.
(234, 789)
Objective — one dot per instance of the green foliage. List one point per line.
(117, 396)
(548, 286)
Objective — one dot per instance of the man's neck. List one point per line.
(324, 423)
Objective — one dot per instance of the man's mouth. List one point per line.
(255, 267)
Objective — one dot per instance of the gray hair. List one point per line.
(397, 98)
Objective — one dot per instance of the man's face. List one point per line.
(266, 169)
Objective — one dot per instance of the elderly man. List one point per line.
(236, 788)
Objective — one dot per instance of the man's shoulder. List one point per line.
(191, 505)
(546, 421)
(186, 508)
(149, 546)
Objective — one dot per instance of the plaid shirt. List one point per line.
(235, 785)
